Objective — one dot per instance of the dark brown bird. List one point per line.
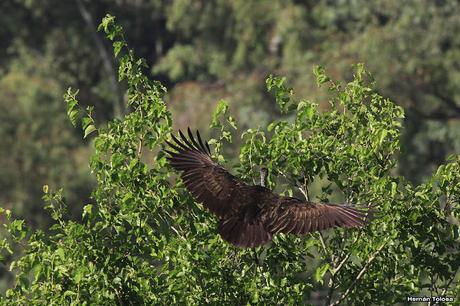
(251, 215)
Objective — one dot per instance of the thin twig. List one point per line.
(177, 233)
(334, 273)
(139, 148)
(360, 274)
(305, 186)
(336, 269)
(343, 251)
(305, 193)
(448, 285)
(450, 282)
(323, 245)
(291, 181)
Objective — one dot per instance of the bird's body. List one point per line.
(251, 215)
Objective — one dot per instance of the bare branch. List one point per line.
(444, 291)
(360, 274)
(291, 181)
(336, 269)
(139, 148)
(305, 193)
(343, 251)
(321, 239)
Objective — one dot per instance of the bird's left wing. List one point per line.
(294, 216)
(208, 182)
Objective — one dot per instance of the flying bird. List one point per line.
(251, 214)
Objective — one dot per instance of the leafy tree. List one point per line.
(416, 48)
(46, 47)
(207, 50)
(144, 240)
(415, 43)
(38, 145)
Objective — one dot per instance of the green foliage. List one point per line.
(144, 240)
(411, 48)
(204, 51)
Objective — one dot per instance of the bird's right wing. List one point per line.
(294, 216)
(206, 180)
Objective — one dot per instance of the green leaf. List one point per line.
(79, 275)
(60, 253)
(86, 121)
(382, 135)
(117, 46)
(320, 75)
(270, 127)
(220, 110)
(73, 114)
(320, 272)
(89, 129)
(87, 209)
(394, 187)
(37, 271)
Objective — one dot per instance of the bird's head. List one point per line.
(263, 176)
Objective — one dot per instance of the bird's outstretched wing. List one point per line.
(251, 215)
(293, 216)
(208, 182)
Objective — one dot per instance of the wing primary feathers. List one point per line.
(190, 135)
(201, 143)
(173, 146)
(180, 144)
(190, 146)
(298, 218)
(207, 181)
(176, 156)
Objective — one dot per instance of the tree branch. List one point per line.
(336, 269)
(107, 62)
(360, 274)
(448, 285)
(321, 239)
(139, 147)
